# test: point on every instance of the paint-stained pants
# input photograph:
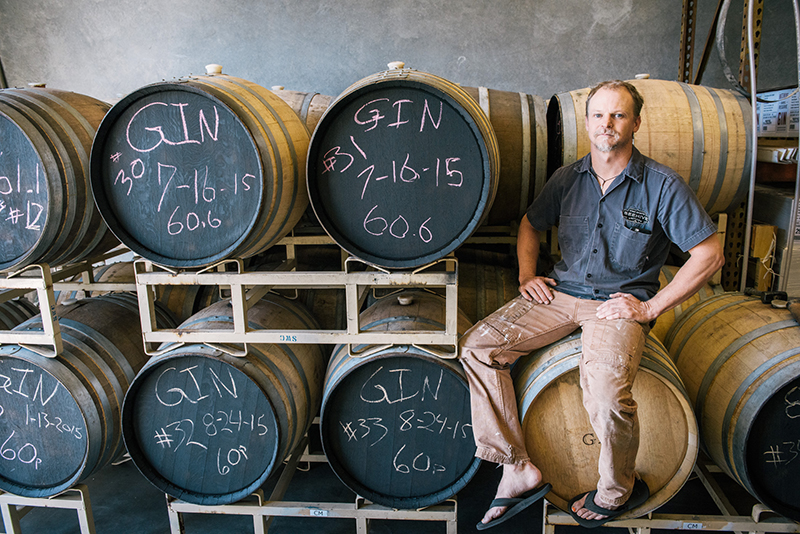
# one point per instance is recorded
(612, 350)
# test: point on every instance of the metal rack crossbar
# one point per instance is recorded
(354, 284)
(47, 341)
(761, 519)
(643, 525)
(14, 507)
(43, 279)
(264, 511)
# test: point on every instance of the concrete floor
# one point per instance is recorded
(123, 502)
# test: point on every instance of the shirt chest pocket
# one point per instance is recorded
(573, 237)
(629, 248)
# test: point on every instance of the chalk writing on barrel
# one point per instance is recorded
(792, 406)
(188, 199)
(19, 210)
(161, 138)
(200, 416)
(373, 116)
(397, 374)
(26, 453)
(384, 172)
(41, 415)
(178, 395)
(783, 454)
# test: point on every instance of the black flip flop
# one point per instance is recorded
(638, 496)
(515, 505)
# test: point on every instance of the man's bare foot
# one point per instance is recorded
(516, 480)
(588, 514)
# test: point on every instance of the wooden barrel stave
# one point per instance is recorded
(309, 106)
(519, 121)
(16, 311)
(668, 318)
(483, 289)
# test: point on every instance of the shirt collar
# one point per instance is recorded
(635, 168)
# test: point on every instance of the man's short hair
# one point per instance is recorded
(638, 100)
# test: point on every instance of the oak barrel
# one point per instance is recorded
(308, 106)
(701, 132)
(16, 311)
(61, 416)
(483, 288)
(395, 422)
(519, 121)
(117, 272)
(668, 318)
(402, 168)
(208, 427)
(560, 438)
(740, 360)
(191, 172)
(49, 214)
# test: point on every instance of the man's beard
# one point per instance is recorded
(607, 144)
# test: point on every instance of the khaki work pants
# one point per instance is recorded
(612, 350)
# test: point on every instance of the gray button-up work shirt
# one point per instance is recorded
(619, 241)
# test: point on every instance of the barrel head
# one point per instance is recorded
(43, 431)
(397, 430)
(200, 429)
(24, 194)
(772, 450)
(399, 173)
(177, 175)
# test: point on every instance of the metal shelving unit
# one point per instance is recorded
(248, 287)
(263, 511)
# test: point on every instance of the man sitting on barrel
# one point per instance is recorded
(617, 212)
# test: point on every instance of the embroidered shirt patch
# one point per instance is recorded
(635, 216)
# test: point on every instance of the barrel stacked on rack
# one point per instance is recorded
(48, 214)
(402, 168)
(61, 419)
(192, 172)
(395, 421)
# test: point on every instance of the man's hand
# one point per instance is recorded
(625, 306)
(537, 288)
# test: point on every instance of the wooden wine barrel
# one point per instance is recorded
(185, 301)
(49, 214)
(483, 289)
(191, 172)
(402, 168)
(395, 424)
(118, 272)
(16, 311)
(61, 419)
(560, 438)
(700, 132)
(740, 360)
(308, 106)
(209, 428)
(519, 121)
(668, 318)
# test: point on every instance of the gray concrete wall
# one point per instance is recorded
(108, 48)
